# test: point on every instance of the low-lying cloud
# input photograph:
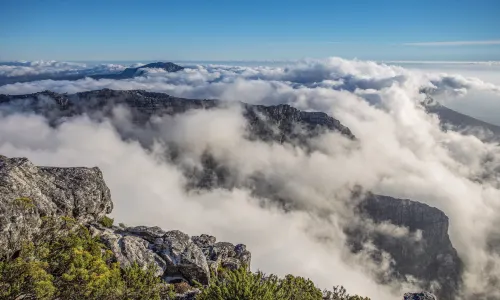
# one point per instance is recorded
(400, 151)
(33, 68)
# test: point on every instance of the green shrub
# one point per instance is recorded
(25, 276)
(106, 221)
(24, 203)
(141, 284)
(241, 285)
(244, 285)
(78, 266)
(299, 288)
(75, 266)
(340, 293)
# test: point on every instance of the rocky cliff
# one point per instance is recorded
(432, 257)
(31, 196)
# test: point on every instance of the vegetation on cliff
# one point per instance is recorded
(76, 265)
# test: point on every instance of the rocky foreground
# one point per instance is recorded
(29, 195)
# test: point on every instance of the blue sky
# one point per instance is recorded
(117, 30)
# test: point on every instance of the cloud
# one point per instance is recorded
(455, 43)
(34, 68)
(400, 151)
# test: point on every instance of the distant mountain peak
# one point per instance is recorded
(133, 72)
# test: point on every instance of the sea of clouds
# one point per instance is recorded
(399, 151)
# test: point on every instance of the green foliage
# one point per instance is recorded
(26, 276)
(75, 266)
(244, 285)
(78, 266)
(340, 293)
(167, 291)
(299, 288)
(24, 203)
(106, 221)
(141, 284)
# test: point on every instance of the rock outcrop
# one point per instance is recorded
(30, 194)
(176, 256)
(419, 296)
(431, 258)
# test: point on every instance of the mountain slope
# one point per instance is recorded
(451, 119)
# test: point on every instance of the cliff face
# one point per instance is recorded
(30, 194)
(432, 259)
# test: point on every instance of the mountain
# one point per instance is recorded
(133, 72)
(432, 259)
(127, 73)
(451, 119)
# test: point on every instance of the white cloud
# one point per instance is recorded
(33, 68)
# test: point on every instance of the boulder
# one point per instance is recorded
(183, 257)
(419, 296)
(31, 195)
(129, 249)
(222, 254)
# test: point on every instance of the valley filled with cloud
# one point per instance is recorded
(399, 150)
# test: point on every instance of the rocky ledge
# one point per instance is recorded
(175, 256)
(31, 195)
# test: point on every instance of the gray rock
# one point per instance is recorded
(243, 254)
(204, 240)
(231, 263)
(129, 249)
(222, 253)
(148, 233)
(184, 258)
(419, 296)
(29, 195)
(176, 256)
